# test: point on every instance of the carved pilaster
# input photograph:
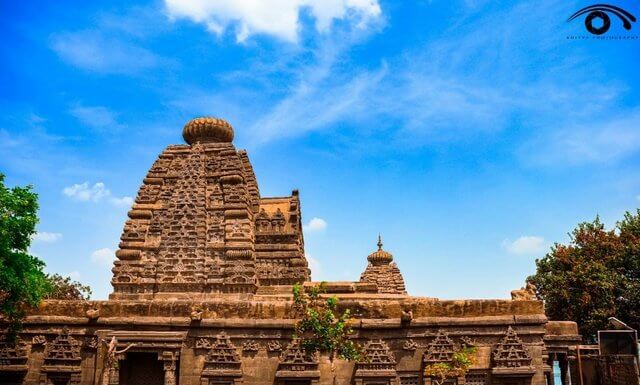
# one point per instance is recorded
(114, 370)
(169, 360)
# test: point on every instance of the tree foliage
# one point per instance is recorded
(22, 280)
(321, 327)
(23, 283)
(458, 367)
(595, 276)
(66, 288)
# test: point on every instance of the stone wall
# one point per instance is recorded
(250, 340)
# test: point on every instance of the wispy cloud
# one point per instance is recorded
(84, 192)
(99, 118)
(314, 92)
(274, 18)
(104, 256)
(98, 192)
(315, 224)
(34, 149)
(599, 140)
(451, 88)
(46, 237)
(92, 51)
(525, 245)
(121, 201)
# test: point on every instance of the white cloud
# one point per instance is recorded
(315, 224)
(46, 237)
(104, 256)
(97, 117)
(594, 141)
(525, 245)
(83, 192)
(318, 104)
(124, 201)
(96, 193)
(278, 18)
(452, 88)
(91, 51)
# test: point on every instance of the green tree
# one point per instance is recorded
(22, 280)
(66, 288)
(322, 328)
(594, 277)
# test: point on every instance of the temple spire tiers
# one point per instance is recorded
(382, 271)
(199, 225)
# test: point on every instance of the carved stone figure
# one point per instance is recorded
(407, 316)
(250, 346)
(410, 345)
(527, 293)
(274, 346)
(93, 314)
(196, 315)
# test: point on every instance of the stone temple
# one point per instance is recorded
(202, 296)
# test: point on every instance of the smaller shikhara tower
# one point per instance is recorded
(382, 271)
(199, 225)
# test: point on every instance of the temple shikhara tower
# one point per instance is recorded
(202, 295)
(199, 225)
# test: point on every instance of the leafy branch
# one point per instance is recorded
(458, 367)
(321, 328)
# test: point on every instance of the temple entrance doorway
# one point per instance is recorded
(297, 382)
(141, 369)
(11, 378)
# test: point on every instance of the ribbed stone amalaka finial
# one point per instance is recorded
(207, 129)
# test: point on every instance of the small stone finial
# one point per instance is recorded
(380, 256)
(207, 129)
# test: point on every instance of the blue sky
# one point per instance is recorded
(471, 134)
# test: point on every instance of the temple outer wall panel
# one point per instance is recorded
(260, 369)
(166, 326)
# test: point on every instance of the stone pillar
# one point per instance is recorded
(113, 371)
(551, 375)
(113, 376)
(169, 359)
(564, 369)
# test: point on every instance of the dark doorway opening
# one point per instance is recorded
(297, 382)
(141, 369)
(11, 378)
(60, 381)
(59, 378)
